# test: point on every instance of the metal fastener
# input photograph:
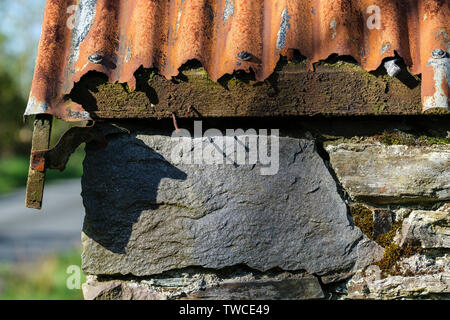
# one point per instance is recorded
(95, 58)
(244, 56)
(438, 54)
(392, 68)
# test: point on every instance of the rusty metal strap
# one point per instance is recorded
(58, 156)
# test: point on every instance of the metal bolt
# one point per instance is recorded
(438, 54)
(95, 58)
(392, 68)
(244, 56)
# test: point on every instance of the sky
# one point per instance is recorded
(20, 22)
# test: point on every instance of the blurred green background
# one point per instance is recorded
(20, 22)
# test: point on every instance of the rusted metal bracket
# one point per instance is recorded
(43, 158)
(36, 178)
(58, 156)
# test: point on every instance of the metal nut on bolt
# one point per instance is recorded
(244, 56)
(95, 58)
(392, 68)
(438, 54)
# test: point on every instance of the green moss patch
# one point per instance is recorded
(391, 256)
(425, 140)
(362, 218)
(393, 253)
(386, 239)
(396, 138)
(408, 139)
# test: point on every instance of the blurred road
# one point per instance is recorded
(26, 234)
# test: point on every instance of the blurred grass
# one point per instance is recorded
(14, 168)
(14, 171)
(42, 280)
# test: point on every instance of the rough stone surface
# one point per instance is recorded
(385, 174)
(382, 221)
(207, 285)
(290, 289)
(430, 280)
(429, 229)
(424, 264)
(145, 216)
(118, 290)
(402, 213)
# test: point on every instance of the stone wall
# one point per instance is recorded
(358, 209)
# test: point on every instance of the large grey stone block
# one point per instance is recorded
(384, 174)
(145, 215)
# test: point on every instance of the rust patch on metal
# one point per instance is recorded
(118, 37)
(38, 161)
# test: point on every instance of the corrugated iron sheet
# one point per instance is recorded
(116, 37)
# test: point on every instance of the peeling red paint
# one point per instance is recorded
(165, 34)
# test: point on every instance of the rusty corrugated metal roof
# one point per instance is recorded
(116, 37)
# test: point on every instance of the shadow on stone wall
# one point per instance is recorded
(131, 189)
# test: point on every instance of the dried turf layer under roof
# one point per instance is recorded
(119, 37)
